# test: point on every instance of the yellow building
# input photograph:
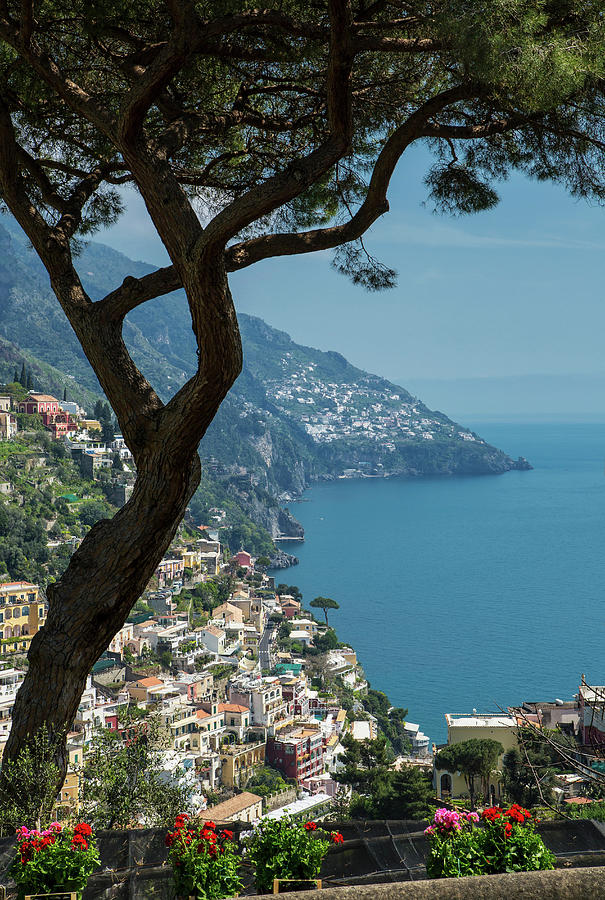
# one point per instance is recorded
(492, 726)
(91, 425)
(68, 800)
(239, 762)
(22, 614)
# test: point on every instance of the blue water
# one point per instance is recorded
(473, 592)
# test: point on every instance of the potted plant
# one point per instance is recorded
(57, 860)
(287, 855)
(204, 860)
(506, 842)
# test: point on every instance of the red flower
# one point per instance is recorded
(516, 815)
(181, 820)
(78, 842)
(228, 835)
(508, 829)
(209, 825)
(337, 837)
(491, 814)
(169, 840)
(310, 826)
(83, 829)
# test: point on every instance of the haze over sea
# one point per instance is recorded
(471, 592)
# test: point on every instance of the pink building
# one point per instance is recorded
(47, 407)
(39, 404)
(243, 559)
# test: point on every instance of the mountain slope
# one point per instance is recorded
(295, 414)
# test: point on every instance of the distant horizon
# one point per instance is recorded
(573, 397)
(516, 289)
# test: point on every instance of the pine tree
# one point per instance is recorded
(299, 164)
(23, 376)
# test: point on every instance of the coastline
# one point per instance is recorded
(443, 582)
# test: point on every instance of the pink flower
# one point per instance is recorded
(447, 820)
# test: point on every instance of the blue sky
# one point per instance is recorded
(513, 291)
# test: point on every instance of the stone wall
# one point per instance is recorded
(560, 884)
(279, 799)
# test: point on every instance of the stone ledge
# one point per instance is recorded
(558, 884)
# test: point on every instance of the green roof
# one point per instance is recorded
(138, 618)
(282, 668)
(71, 498)
(102, 665)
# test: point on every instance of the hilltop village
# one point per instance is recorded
(369, 408)
(260, 709)
(250, 690)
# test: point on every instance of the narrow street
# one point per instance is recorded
(264, 651)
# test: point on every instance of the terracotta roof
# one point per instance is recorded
(42, 397)
(232, 707)
(202, 714)
(231, 807)
(227, 606)
(217, 632)
(151, 681)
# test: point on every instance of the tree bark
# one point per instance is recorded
(110, 570)
(91, 602)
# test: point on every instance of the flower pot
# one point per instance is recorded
(57, 895)
(288, 885)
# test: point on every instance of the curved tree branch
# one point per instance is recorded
(135, 291)
(244, 254)
(284, 186)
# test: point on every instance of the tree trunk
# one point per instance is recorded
(471, 791)
(104, 579)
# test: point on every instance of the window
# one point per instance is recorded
(25, 610)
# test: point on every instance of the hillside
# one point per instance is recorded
(295, 414)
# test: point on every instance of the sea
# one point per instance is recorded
(464, 594)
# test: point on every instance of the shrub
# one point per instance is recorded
(507, 842)
(54, 859)
(283, 848)
(204, 861)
